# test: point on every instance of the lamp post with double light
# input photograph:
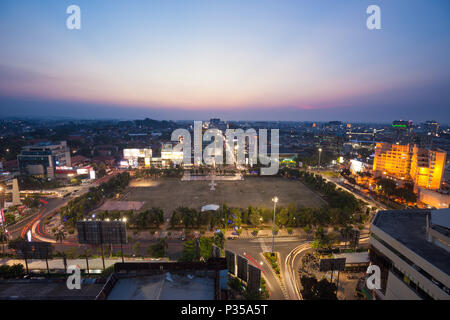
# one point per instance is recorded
(2, 216)
(124, 220)
(275, 201)
(320, 152)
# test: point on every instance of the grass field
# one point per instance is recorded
(170, 193)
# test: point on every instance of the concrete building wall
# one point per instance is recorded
(433, 198)
(408, 270)
(424, 167)
(398, 290)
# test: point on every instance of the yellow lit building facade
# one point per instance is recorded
(427, 167)
(409, 162)
(392, 160)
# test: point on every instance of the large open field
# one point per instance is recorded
(170, 193)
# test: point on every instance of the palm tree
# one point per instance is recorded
(2, 239)
(60, 236)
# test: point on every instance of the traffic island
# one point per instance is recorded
(272, 258)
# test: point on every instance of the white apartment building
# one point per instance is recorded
(412, 249)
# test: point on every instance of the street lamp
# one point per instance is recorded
(2, 198)
(124, 220)
(275, 200)
(320, 152)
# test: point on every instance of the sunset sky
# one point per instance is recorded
(237, 60)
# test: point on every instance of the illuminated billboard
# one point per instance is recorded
(356, 166)
(137, 153)
(133, 155)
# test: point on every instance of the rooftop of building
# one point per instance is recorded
(409, 228)
(355, 257)
(165, 281)
(46, 144)
(440, 221)
(44, 289)
(164, 287)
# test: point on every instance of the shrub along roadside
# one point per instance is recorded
(10, 272)
(273, 260)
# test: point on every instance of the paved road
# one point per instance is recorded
(356, 193)
(36, 225)
(95, 265)
(20, 229)
(291, 264)
(290, 249)
(252, 249)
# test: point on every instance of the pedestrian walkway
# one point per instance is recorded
(57, 263)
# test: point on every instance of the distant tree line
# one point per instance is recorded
(154, 172)
(153, 217)
(37, 183)
(290, 216)
(201, 249)
(312, 289)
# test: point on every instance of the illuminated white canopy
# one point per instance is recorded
(210, 207)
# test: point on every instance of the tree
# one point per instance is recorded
(254, 217)
(60, 236)
(10, 218)
(137, 248)
(32, 201)
(13, 271)
(159, 249)
(407, 193)
(3, 239)
(282, 217)
(322, 240)
(219, 239)
(388, 186)
(346, 232)
(189, 253)
(190, 250)
(317, 290)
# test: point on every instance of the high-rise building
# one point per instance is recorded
(169, 155)
(424, 167)
(393, 160)
(427, 167)
(402, 131)
(432, 127)
(43, 158)
(133, 156)
(412, 250)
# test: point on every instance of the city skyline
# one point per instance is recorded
(232, 60)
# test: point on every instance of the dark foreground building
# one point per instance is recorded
(167, 281)
(412, 249)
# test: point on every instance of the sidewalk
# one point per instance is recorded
(265, 233)
(57, 263)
